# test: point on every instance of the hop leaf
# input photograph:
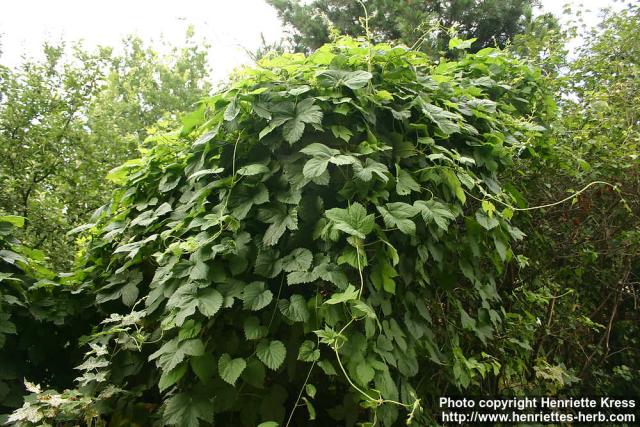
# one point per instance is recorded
(353, 220)
(271, 353)
(255, 296)
(186, 409)
(230, 369)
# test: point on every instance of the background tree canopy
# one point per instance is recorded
(336, 237)
(492, 22)
(66, 121)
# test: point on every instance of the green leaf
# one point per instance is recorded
(315, 167)
(311, 390)
(232, 110)
(441, 117)
(343, 159)
(15, 220)
(12, 257)
(168, 183)
(397, 215)
(206, 137)
(351, 293)
(255, 296)
(308, 352)
(300, 90)
(129, 294)
(454, 185)
(230, 369)
(357, 79)
(167, 379)
(456, 43)
(297, 277)
(255, 373)
(273, 124)
(187, 409)
(199, 271)
(244, 197)
(261, 109)
(341, 132)
(267, 263)
(405, 183)
(467, 321)
(319, 150)
(120, 174)
(268, 424)
(488, 207)
(310, 409)
(209, 301)
(351, 79)
(293, 130)
(294, 309)
(190, 329)
(298, 260)
(322, 156)
(204, 366)
(364, 373)
(327, 367)
(305, 112)
(7, 327)
(353, 220)
(365, 172)
(172, 352)
(488, 223)
(281, 219)
(271, 353)
(383, 274)
(253, 330)
(253, 169)
(365, 309)
(434, 211)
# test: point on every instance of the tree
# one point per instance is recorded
(65, 123)
(491, 22)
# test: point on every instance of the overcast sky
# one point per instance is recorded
(229, 26)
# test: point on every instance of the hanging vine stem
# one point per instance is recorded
(228, 195)
(559, 202)
(359, 272)
(295, 405)
(415, 406)
(306, 381)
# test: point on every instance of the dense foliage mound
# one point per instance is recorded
(326, 234)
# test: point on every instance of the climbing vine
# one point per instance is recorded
(319, 242)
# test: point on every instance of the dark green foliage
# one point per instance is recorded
(327, 222)
(33, 311)
(491, 22)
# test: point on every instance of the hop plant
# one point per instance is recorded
(318, 241)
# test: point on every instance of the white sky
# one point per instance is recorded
(229, 26)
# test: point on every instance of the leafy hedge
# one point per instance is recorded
(320, 241)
